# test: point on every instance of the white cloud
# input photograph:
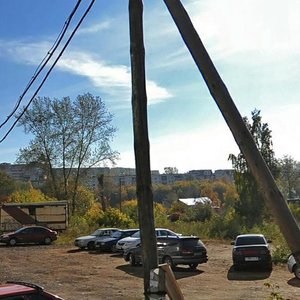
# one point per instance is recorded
(199, 149)
(95, 28)
(114, 80)
(270, 28)
(109, 77)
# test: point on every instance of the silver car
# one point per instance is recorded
(293, 267)
(88, 241)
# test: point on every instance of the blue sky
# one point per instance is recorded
(254, 45)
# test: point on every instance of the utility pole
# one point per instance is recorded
(141, 142)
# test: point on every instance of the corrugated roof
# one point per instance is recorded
(194, 201)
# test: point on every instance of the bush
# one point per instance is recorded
(113, 217)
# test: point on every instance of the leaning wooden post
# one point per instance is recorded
(141, 142)
(241, 134)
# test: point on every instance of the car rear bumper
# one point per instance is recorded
(185, 260)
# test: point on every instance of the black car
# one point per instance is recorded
(109, 243)
(182, 250)
(251, 250)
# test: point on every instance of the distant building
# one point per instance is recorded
(120, 176)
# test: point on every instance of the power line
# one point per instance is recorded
(49, 71)
(45, 60)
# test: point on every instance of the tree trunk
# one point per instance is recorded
(241, 134)
(141, 142)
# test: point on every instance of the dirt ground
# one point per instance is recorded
(76, 274)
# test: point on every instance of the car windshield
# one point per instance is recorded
(250, 240)
(116, 234)
(136, 235)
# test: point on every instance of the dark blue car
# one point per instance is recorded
(109, 244)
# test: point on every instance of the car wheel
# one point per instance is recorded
(168, 260)
(47, 240)
(91, 245)
(12, 242)
(132, 260)
(193, 266)
(296, 271)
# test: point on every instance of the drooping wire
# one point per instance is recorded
(49, 71)
(45, 60)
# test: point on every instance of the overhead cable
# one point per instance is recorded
(45, 60)
(49, 71)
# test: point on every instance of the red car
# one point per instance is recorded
(24, 290)
(29, 234)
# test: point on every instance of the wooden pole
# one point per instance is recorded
(141, 142)
(241, 134)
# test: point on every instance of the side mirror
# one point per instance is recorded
(232, 243)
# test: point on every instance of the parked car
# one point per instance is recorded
(251, 250)
(16, 290)
(135, 239)
(29, 234)
(109, 243)
(88, 241)
(182, 250)
(293, 266)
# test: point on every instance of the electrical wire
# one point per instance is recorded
(45, 60)
(49, 71)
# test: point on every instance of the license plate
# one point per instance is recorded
(251, 258)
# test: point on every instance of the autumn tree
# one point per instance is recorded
(68, 136)
(251, 205)
(7, 186)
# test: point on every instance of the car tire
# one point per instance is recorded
(193, 266)
(91, 246)
(47, 240)
(168, 260)
(132, 260)
(12, 242)
(296, 271)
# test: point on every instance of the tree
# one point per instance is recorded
(171, 170)
(69, 135)
(289, 176)
(7, 186)
(251, 205)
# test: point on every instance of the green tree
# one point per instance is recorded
(289, 176)
(250, 205)
(69, 135)
(171, 170)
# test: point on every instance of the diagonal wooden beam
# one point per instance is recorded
(241, 134)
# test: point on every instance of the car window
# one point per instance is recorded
(136, 235)
(116, 234)
(250, 240)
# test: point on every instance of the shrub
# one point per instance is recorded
(115, 218)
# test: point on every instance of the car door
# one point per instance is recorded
(25, 236)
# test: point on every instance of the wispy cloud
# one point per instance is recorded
(269, 28)
(114, 80)
(95, 28)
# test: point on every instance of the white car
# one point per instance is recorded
(88, 241)
(293, 267)
(135, 239)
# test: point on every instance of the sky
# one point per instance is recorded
(254, 45)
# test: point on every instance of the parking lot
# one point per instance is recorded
(76, 274)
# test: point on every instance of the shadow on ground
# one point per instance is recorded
(179, 273)
(294, 282)
(247, 274)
